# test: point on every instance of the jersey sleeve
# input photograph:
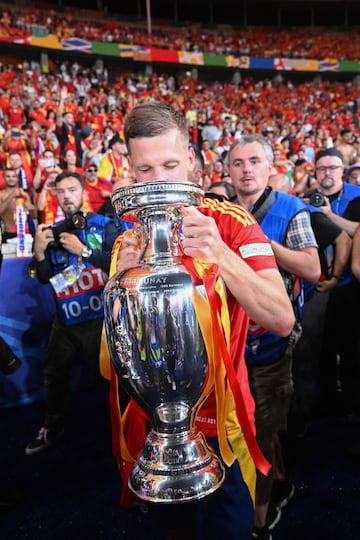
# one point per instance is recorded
(241, 232)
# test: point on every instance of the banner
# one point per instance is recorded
(39, 38)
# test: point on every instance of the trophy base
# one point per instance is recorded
(176, 468)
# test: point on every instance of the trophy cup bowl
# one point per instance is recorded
(157, 348)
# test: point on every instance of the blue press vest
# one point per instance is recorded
(265, 347)
(339, 206)
(82, 301)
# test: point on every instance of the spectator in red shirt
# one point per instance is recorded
(97, 118)
(47, 202)
(98, 189)
(17, 140)
(15, 113)
(50, 120)
(37, 112)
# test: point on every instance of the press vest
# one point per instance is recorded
(82, 301)
(263, 347)
(339, 206)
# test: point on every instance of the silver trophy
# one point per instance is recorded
(157, 347)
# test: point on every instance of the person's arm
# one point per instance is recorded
(299, 255)
(95, 151)
(127, 250)
(300, 183)
(105, 193)
(43, 237)
(37, 176)
(7, 135)
(262, 294)
(41, 199)
(32, 140)
(355, 256)
(60, 111)
(347, 225)
(303, 263)
(343, 245)
(29, 206)
(342, 252)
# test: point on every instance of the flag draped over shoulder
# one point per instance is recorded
(235, 434)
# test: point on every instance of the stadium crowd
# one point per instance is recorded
(71, 120)
(259, 41)
(298, 120)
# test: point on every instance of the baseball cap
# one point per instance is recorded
(333, 152)
(355, 166)
(85, 132)
(88, 164)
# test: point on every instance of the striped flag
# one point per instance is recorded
(77, 44)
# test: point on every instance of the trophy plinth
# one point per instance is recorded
(157, 347)
(175, 469)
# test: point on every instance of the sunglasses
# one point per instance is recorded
(92, 169)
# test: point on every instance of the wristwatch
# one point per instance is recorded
(86, 253)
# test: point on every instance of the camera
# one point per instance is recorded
(315, 196)
(73, 223)
(47, 163)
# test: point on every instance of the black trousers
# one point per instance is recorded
(339, 360)
(307, 353)
(68, 345)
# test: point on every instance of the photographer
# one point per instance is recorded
(74, 256)
(339, 360)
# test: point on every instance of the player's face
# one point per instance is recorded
(164, 157)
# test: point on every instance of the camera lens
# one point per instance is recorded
(317, 199)
(79, 221)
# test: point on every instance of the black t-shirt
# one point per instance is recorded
(326, 232)
(352, 211)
